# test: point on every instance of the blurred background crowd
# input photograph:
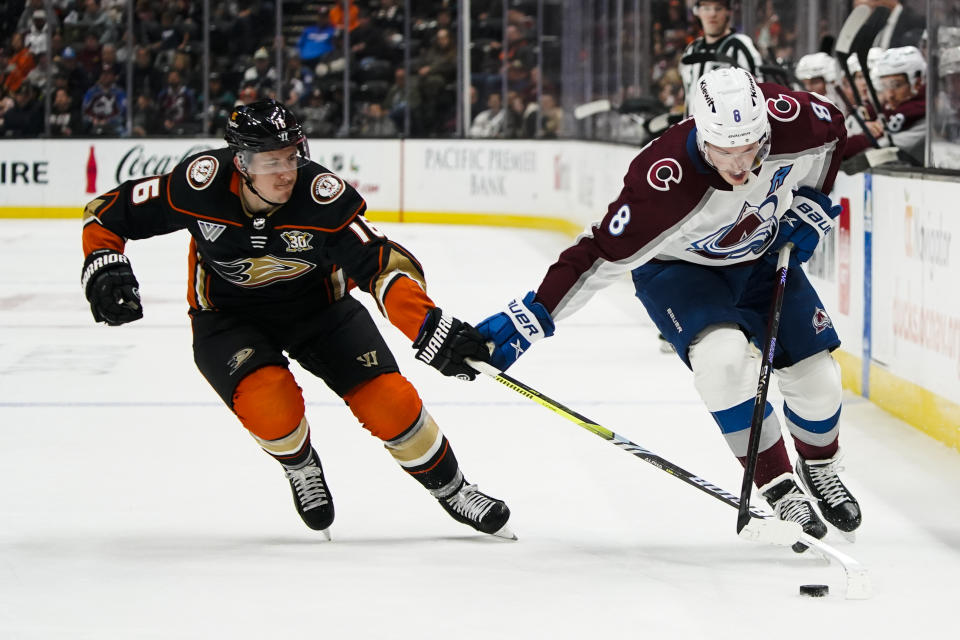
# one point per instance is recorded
(441, 68)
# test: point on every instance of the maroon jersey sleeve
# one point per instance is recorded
(804, 122)
(661, 190)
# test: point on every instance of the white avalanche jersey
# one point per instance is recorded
(673, 206)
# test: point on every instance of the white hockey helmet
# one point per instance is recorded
(949, 61)
(873, 55)
(906, 60)
(817, 65)
(729, 110)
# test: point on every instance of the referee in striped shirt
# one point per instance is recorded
(719, 39)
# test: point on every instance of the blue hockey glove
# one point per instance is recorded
(809, 218)
(514, 329)
(443, 342)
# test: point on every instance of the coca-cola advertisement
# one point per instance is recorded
(56, 178)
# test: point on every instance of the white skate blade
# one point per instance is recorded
(505, 532)
(849, 536)
(771, 531)
(326, 533)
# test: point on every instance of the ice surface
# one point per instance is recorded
(133, 505)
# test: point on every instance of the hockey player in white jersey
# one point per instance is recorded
(703, 212)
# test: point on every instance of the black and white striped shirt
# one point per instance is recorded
(733, 45)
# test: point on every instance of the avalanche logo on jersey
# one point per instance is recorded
(259, 272)
(821, 320)
(297, 240)
(663, 172)
(783, 108)
(752, 231)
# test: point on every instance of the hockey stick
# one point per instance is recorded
(861, 47)
(763, 527)
(763, 384)
(588, 109)
(849, 30)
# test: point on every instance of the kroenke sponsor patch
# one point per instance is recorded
(326, 188)
(201, 171)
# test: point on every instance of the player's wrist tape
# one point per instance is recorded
(100, 260)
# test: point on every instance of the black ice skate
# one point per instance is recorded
(793, 505)
(311, 494)
(478, 510)
(838, 506)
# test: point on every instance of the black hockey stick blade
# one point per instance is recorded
(861, 46)
(763, 384)
(867, 34)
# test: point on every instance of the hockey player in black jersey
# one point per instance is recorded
(277, 243)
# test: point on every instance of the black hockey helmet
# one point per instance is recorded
(264, 125)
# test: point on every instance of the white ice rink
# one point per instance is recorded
(134, 505)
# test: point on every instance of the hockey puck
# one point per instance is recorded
(814, 590)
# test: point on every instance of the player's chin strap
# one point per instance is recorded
(762, 526)
(247, 181)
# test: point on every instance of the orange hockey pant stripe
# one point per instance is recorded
(269, 403)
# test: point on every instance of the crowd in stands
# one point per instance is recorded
(78, 56)
(68, 71)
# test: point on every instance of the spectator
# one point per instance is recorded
(19, 64)
(298, 79)
(261, 75)
(336, 15)
(26, 16)
(515, 114)
(320, 118)
(436, 73)
(222, 101)
(178, 106)
(64, 115)
(25, 118)
(489, 122)
(398, 98)
(375, 123)
(316, 42)
(40, 75)
(146, 117)
(367, 40)
(89, 18)
(108, 57)
(551, 125)
(78, 81)
(36, 36)
(104, 106)
(89, 56)
(147, 79)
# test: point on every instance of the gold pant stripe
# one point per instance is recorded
(420, 445)
(289, 444)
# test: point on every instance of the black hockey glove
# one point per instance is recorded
(111, 288)
(444, 342)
